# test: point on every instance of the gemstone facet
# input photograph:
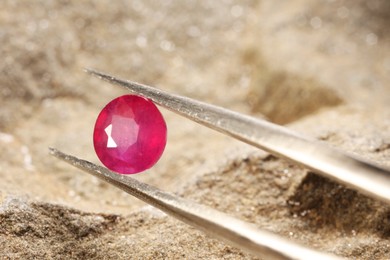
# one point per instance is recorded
(130, 134)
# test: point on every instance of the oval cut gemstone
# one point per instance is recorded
(130, 134)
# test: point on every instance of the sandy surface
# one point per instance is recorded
(321, 67)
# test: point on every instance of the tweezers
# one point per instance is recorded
(368, 178)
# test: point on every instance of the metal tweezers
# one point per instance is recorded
(367, 178)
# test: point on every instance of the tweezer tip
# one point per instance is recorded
(101, 75)
(52, 150)
(56, 153)
(89, 70)
(94, 72)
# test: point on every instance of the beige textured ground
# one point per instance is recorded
(322, 67)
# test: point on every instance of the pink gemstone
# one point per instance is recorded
(130, 134)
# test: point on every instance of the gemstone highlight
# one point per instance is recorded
(130, 134)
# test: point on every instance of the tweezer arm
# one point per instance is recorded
(234, 231)
(357, 174)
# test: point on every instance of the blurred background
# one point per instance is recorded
(284, 61)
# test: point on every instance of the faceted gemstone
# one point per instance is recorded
(130, 134)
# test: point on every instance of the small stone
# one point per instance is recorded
(130, 134)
